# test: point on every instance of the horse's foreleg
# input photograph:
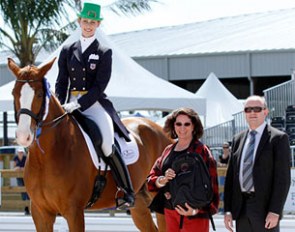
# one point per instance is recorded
(75, 219)
(43, 220)
(161, 222)
(141, 214)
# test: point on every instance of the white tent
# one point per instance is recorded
(220, 103)
(131, 87)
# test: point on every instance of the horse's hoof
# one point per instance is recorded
(27, 211)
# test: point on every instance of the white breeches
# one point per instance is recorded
(104, 122)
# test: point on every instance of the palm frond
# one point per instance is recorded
(133, 7)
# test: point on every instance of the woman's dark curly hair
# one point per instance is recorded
(169, 123)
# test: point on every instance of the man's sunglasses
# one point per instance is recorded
(256, 109)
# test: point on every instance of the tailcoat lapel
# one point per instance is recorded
(77, 51)
(92, 47)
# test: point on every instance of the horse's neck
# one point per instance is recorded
(55, 123)
(54, 109)
(56, 117)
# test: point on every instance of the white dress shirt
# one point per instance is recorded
(258, 135)
(85, 42)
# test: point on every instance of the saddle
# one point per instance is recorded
(114, 161)
(93, 131)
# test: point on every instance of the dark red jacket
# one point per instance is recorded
(204, 151)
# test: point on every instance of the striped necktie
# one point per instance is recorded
(248, 163)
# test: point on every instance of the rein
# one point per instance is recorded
(54, 122)
(41, 124)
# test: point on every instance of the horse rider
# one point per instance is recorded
(84, 72)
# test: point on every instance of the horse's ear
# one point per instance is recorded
(13, 66)
(44, 69)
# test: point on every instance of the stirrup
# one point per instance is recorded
(122, 203)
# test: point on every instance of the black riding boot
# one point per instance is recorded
(122, 179)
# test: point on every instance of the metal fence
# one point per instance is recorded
(292, 156)
(279, 97)
(217, 135)
(7, 126)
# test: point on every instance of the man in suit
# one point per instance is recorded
(258, 175)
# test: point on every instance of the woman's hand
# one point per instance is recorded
(169, 174)
(70, 107)
(189, 212)
(163, 180)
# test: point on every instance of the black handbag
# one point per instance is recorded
(157, 204)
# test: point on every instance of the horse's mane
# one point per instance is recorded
(53, 95)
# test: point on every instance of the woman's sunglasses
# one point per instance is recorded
(186, 124)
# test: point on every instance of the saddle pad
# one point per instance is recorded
(129, 150)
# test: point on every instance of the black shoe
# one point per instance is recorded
(27, 211)
(125, 202)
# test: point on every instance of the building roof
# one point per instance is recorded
(266, 31)
(143, 90)
(273, 30)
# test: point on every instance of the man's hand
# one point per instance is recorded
(70, 107)
(228, 221)
(271, 220)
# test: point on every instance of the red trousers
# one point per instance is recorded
(172, 219)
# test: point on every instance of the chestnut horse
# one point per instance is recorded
(59, 173)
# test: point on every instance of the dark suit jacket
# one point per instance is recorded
(90, 71)
(271, 173)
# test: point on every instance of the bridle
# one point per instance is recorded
(38, 117)
(42, 112)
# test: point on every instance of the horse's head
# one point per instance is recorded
(29, 96)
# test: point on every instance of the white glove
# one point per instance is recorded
(70, 107)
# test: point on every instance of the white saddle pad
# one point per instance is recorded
(129, 150)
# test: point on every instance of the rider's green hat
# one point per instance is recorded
(90, 11)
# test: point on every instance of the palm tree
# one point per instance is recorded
(35, 25)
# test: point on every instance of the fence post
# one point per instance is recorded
(5, 129)
(221, 179)
(0, 189)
